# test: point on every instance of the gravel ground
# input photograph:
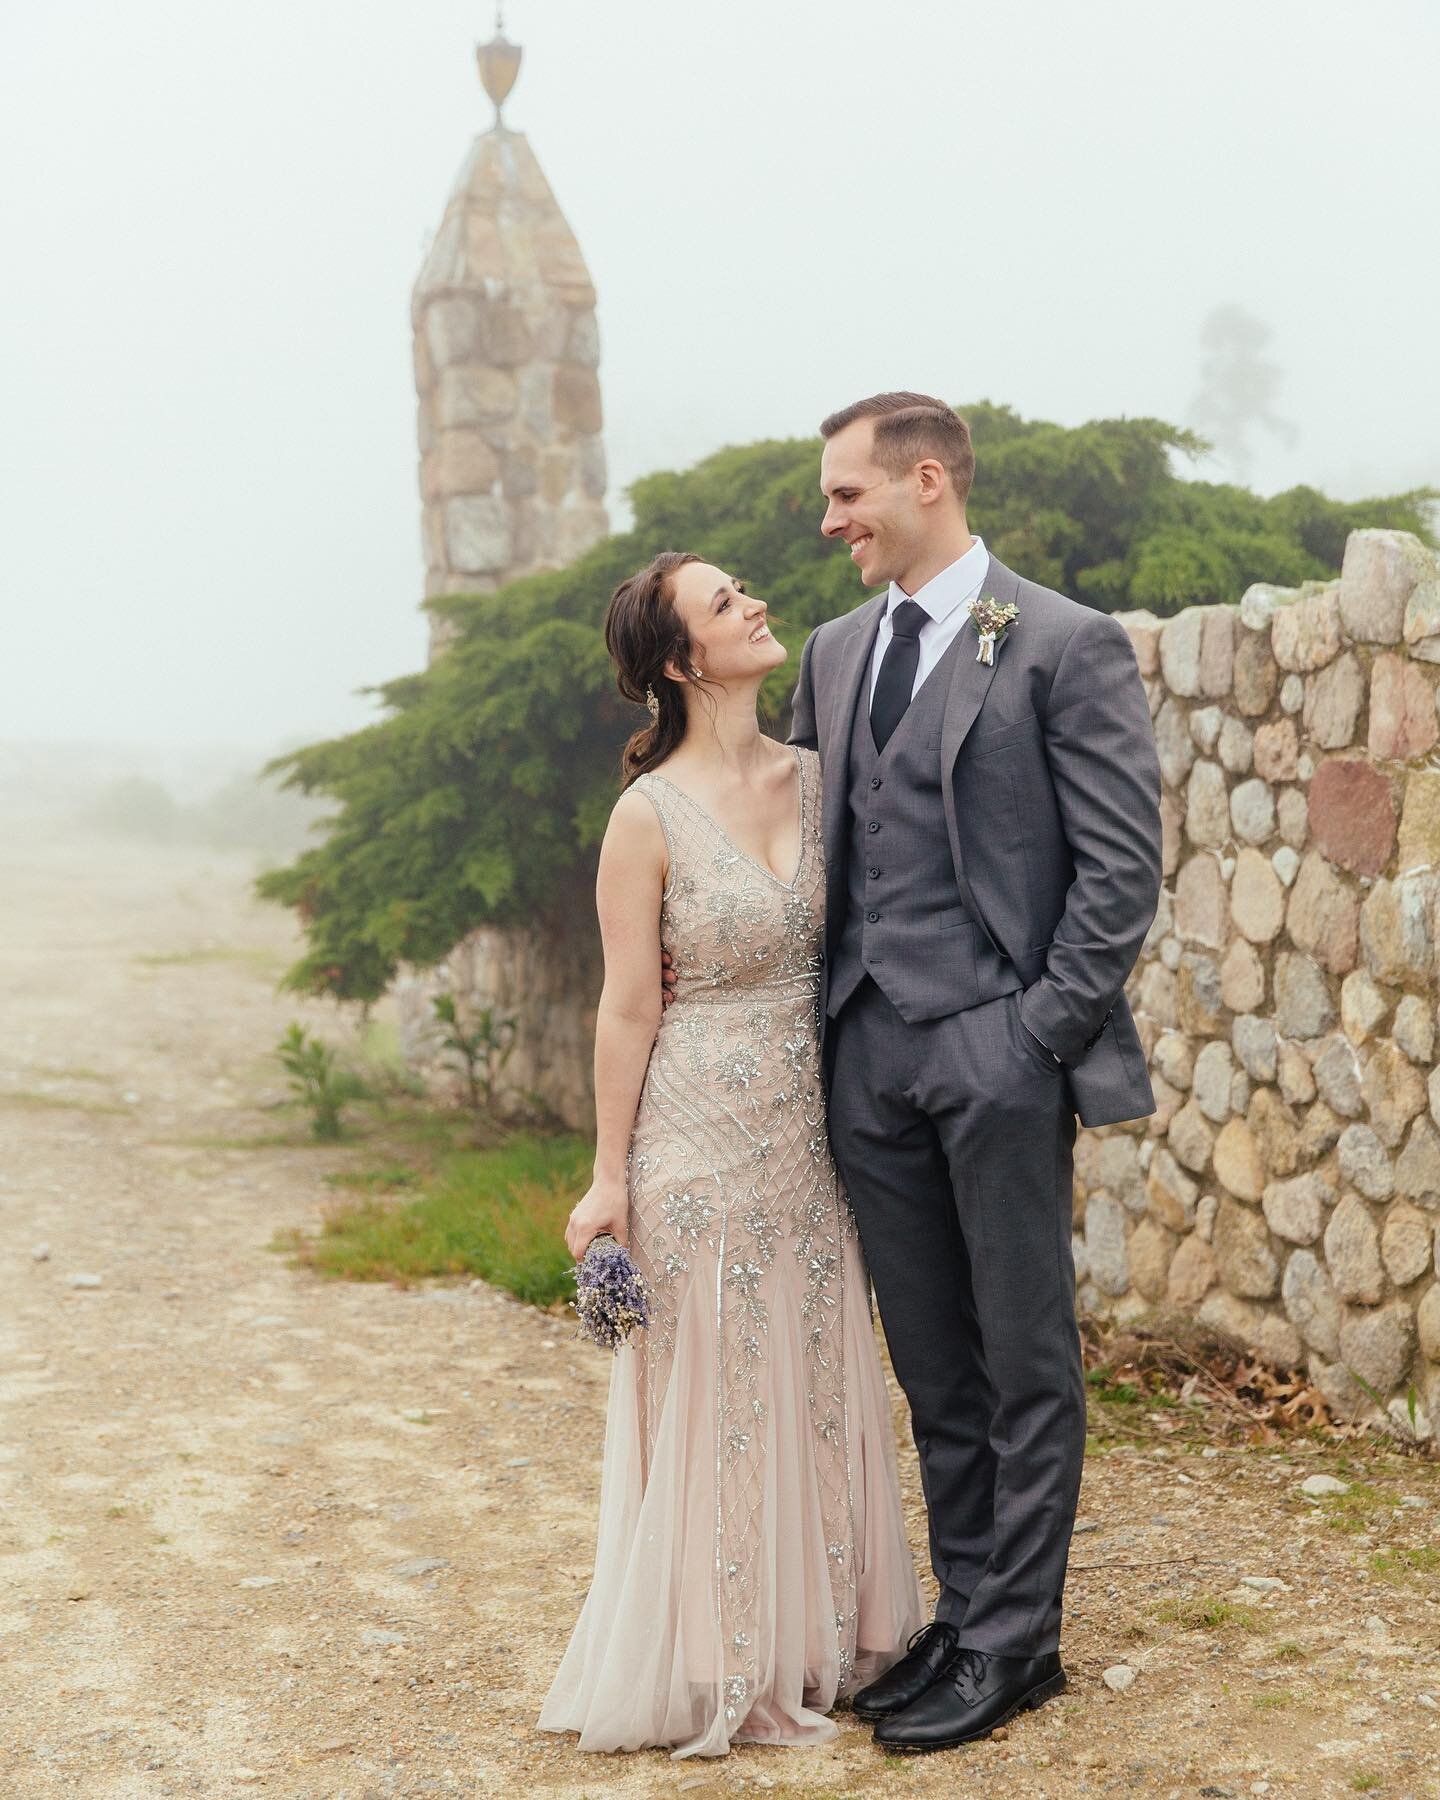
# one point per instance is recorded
(263, 1533)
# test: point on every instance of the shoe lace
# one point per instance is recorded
(938, 1626)
(966, 1671)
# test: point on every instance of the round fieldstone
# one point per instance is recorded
(1362, 1006)
(1205, 1208)
(1255, 1043)
(1274, 1129)
(1365, 1163)
(1257, 901)
(1396, 929)
(1393, 1091)
(1105, 1244)
(1275, 750)
(1173, 743)
(1352, 1252)
(1332, 703)
(1272, 1338)
(1320, 1132)
(1180, 638)
(1207, 805)
(1205, 723)
(1402, 709)
(1118, 1170)
(1242, 978)
(1202, 902)
(1310, 1304)
(1294, 1074)
(1427, 1320)
(1323, 915)
(1236, 744)
(1252, 811)
(1295, 1209)
(1243, 1256)
(1352, 814)
(1405, 1243)
(1303, 1007)
(1150, 1251)
(1378, 1345)
(1237, 1160)
(1415, 1028)
(1191, 1138)
(1292, 694)
(1337, 1076)
(1419, 845)
(1292, 812)
(1173, 1058)
(1255, 673)
(1286, 864)
(1417, 1168)
(1198, 1006)
(1192, 1272)
(1380, 571)
(1305, 635)
(1170, 1192)
(1210, 1083)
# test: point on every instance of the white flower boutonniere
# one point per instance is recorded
(992, 621)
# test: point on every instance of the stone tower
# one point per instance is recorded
(512, 479)
(512, 464)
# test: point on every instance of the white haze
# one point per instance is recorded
(211, 217)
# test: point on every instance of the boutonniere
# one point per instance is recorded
(992, 621)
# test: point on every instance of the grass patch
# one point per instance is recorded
(387, 1180)
(206, 953)
(1354, 1511)
(1362, 1784)
(1290, 1651)
(56, 1102)
(499, 1214)
(1395, 1565)
(1275, 1702)
(1206, 1612)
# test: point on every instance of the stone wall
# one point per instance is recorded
(1287, 1190)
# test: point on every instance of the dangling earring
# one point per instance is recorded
(652, 703)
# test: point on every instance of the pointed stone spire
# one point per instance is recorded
(512, 462)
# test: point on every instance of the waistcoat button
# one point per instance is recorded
(872, 873)
(873, 917)
(874, 781)
(872, 826)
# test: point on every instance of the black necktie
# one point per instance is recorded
(897, 671)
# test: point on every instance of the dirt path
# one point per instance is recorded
(263, 1533)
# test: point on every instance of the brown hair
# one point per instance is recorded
(644, 631)
(910, 428)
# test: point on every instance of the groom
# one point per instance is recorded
(992, 844)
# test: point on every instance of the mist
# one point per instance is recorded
(211, 222)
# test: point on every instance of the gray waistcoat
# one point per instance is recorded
(905, 923)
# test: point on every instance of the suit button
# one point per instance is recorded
(872, 826)
(874, 781)
(872, 873)
(873, 917)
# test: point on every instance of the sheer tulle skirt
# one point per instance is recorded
(646, 1663)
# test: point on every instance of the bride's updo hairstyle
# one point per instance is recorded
(643, 631)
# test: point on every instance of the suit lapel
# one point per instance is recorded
(834, 804)
(969, 683)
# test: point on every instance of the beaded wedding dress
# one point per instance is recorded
(751, 1564)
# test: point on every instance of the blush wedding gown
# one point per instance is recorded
(751, 1564)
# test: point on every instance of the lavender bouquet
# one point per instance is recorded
(612, 1297)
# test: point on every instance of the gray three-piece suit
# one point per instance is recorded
(990, 878)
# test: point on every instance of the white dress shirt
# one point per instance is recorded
(947, 597)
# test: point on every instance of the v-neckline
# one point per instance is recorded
(739, 850)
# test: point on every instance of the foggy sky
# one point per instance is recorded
(211, 217)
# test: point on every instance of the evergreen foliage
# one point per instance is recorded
(482, 797)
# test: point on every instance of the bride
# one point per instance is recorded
(751, 1565)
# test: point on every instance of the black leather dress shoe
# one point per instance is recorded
(974, 1693)
(926, 1654)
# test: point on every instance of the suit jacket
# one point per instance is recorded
(1052, 808)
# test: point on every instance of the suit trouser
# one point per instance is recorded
(955, 1140)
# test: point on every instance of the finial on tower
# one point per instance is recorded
(499, 62)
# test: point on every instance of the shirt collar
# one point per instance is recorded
(952, 587)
